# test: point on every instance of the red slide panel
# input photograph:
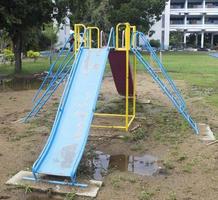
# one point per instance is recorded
(117, 60)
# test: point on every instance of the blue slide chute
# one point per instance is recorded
(65, 146)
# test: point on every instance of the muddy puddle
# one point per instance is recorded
(101, 164)
(17, 84)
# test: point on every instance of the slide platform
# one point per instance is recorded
(64, 149)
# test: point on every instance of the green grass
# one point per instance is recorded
(198, 69)
(29, 66)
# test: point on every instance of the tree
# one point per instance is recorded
(4, 40)
(50, 32)
(142, 13)
(17, 17)
(176, 39)
(107, 13)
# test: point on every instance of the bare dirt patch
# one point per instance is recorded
(188, 167)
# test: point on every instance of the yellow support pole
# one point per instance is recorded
(77, 31)
(125, 48)
(90, 28)
(127, 116)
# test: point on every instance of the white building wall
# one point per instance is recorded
(163, 27)
(63, 34)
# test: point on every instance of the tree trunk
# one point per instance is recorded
(17, 47)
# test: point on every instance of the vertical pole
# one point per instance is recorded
(202, 39)
(161, 58)
(101, 38)
(127, 46)
(134, 86)
(127, 89)
(184, 39)
(90, 38)
(75, 37)
(98, 38)
(196, 40)
(212, 40)
(123, 36)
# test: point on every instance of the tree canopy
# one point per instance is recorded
(107, 13)
(19, 17)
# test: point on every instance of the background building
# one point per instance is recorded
(198, 17)
(63, 33)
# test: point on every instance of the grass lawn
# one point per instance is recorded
(29, 66)
(198, 69)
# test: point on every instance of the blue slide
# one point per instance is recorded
(64, 148)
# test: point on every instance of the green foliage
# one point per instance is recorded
(107, 13)
(33, 54)
(18, 17)
(5, 41)
(172, 196)
(50, 32)
(146, 195)
(139, 134)
(191, 40)
(35, 39)
(155, 43)
(70, 196)
(8, 55)
(140, 13)
(176, 39)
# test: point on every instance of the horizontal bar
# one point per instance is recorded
(131, 120)
(121, 49)
(109, 126)
(111, 115)
(56, 182)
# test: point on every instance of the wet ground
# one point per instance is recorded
(16, 84)
(161, 159)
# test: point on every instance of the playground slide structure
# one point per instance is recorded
(65, 146)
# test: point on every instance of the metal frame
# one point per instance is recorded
(78, 30)
(126, 36)
(89, 32)
(169, 88)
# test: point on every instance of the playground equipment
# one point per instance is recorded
(66, 143)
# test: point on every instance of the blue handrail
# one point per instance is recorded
(52, 67)
(46, 95)
(111, 35)
(177, 102)
(157, 60)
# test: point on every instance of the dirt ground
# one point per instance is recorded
(188, 167)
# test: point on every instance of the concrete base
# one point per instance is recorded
(90, 191)
(205, 133)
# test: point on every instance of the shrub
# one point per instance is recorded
(8, 55)
(33, 54)
(155, 43)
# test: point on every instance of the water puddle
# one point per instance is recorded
(17, 84)
(146, 165)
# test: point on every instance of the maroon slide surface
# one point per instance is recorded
(117, 61)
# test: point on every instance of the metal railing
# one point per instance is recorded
(52, 66)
